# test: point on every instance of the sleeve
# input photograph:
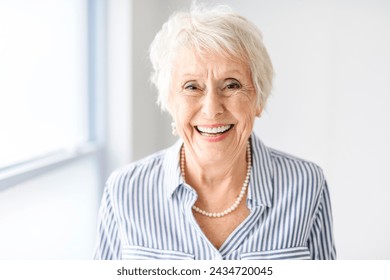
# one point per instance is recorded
(108, 245)
(321, 241)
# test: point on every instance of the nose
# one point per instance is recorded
(212, 105)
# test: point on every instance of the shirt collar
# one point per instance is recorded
(172, 174)
(260, 189)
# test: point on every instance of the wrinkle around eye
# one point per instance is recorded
(189, 92)
(242, 90)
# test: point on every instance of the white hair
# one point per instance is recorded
(210, 29)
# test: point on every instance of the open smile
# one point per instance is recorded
(213, 131)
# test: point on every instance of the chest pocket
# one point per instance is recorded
(296, 253)
(144, 253)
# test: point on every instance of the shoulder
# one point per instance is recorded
(135, 173)
(289, 160)
(278, 162)
(301, 171)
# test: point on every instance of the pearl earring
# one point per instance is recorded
(174, 131)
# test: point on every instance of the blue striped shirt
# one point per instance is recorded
(146, 212)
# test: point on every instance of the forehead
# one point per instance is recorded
(193, 63)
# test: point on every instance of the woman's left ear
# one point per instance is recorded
(258, 111)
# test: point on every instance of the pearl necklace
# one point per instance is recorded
(240, 196)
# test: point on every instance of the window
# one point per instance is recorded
(45, 78)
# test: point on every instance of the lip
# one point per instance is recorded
(214, 125)
(214, 138)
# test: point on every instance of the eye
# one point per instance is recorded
(232, 84)
(191, 86)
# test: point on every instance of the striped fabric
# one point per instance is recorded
(146, 212)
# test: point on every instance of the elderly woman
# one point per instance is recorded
(219, 192)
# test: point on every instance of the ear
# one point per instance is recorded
(259, 109)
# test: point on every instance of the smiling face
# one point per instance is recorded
(213, 103)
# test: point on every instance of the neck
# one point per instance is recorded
(214, 174)
(211, 191)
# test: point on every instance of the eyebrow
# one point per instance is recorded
(228, 73)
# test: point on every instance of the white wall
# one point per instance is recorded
(329, 104)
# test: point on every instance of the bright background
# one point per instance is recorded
(329, 105)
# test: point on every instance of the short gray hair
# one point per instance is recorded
(210, 29)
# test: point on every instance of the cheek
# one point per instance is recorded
(245, 113)
(174, 105)
(182, 112)
(245, 107)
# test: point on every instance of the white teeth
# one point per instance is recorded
(219, 129)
